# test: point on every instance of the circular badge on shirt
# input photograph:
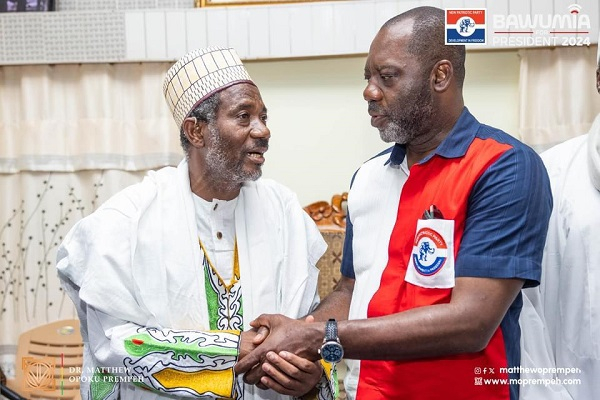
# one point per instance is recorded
(430, 252)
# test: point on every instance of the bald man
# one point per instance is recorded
(444, 229)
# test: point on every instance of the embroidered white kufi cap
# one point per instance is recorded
(198, 75)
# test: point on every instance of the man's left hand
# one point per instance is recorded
(285, 334)
(289, 374)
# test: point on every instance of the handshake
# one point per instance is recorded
(284, 354)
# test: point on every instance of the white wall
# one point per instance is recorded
(321, 132)
(320, 128)
(492, 88)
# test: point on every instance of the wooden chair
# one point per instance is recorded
(49, 362)
(329, 216)
(331, 221)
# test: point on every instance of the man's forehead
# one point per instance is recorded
(389, 48)
(400, 29)
(396, 35)
(241, 95)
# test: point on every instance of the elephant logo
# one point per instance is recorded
(430, 252)
(465, 24)
(425, 249)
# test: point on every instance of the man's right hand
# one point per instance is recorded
(285, 334)
(250, 339)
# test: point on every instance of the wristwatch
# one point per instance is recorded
(331, 351)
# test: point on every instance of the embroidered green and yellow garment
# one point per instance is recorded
(199, 363)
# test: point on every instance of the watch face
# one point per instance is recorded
(332, 352)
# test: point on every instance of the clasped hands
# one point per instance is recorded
(277, 354)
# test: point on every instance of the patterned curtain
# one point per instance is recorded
(36, 212)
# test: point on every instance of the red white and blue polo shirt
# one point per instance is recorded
(494, 196)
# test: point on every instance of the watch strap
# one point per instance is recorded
(331, 331)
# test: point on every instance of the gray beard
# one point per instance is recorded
(410, 127)
(223, 171)
(393, 133)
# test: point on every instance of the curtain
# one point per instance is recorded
(85, 116)
(71, 136)
(37, 209)
(558, 97)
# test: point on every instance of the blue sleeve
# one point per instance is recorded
(508, 213)
(347, 268)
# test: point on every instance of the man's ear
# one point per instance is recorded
(194, 131)
(443, 72)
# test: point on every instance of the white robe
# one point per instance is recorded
(137, 260)
(560, 321)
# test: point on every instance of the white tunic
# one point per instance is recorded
(215, 221)
(561, 319)
(136, 263)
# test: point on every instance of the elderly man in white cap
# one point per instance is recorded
(168, 272)
(561, 317)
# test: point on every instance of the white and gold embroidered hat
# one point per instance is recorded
(198, 75)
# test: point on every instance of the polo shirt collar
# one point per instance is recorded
(454, 145)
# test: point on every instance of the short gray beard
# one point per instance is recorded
(221, 171)
(393, 133)
(409, 128)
